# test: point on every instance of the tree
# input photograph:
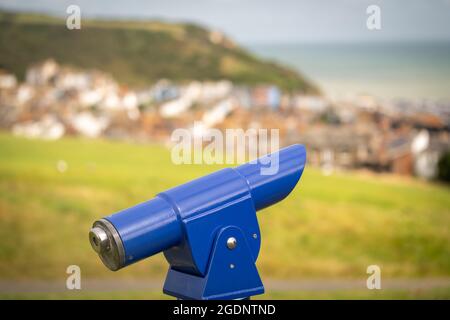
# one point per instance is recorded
(444, 167)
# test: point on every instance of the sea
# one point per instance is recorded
(416, 71)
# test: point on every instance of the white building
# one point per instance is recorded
(205, 92)
(47, 128)
(427, 152)
(7, 80)
(88, 125)
(218, 113)
(310, 103)
(41, 73)
(24, 93)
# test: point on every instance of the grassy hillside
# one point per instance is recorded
(136, 52)
(328, 227)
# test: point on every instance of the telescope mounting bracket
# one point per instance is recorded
(231, 273)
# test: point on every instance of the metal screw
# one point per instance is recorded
(231, 243)
(255, 236)
(231, 266)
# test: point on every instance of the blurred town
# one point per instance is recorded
(358, 132)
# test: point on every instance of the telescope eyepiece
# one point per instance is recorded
(99, 240)
(105, 240)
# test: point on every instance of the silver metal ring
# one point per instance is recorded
(111, 250)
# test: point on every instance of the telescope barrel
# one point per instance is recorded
(137, 233)
(268, 189)
(156, 225)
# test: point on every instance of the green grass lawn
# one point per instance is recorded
(441, 293)
(331, 226)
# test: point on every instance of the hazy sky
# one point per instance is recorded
(268, 21)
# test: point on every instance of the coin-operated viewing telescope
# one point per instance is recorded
(207, 228)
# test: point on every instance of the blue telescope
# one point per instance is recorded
(207, 228)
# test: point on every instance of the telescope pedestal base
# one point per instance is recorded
(231, 274)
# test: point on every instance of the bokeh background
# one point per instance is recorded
(86, 117)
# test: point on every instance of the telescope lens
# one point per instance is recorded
(107, 243)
